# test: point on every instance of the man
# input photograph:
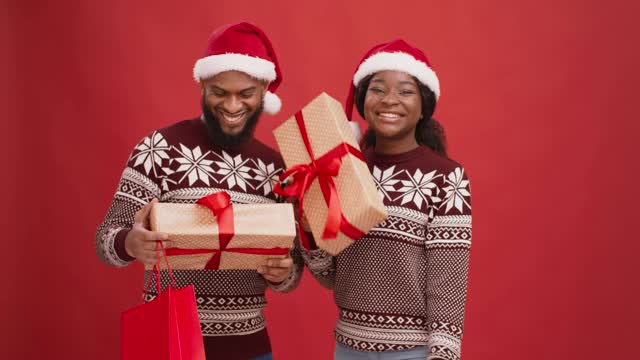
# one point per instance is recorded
(190, 159)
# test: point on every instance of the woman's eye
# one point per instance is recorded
(377, 90)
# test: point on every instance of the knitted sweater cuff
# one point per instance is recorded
(119, 247)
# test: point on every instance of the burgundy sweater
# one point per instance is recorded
(179, 164)
(404, 283)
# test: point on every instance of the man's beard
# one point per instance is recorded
(218, 137)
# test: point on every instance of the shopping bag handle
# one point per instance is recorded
(156, 271)
(166, 260)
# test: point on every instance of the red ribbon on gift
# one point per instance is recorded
(324, 168)
(220, 205)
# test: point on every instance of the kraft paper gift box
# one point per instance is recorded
(249, 234)
(330, 140)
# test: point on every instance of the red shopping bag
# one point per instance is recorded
(166, 328)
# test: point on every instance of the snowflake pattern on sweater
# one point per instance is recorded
(178, 164)
(404, 283)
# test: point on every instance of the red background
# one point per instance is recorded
(539, 101)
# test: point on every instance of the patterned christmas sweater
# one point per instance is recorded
(404, 283)
(179, 164)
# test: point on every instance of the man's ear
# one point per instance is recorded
(265, 87)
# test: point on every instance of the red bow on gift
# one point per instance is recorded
(220, 205)
(324, 168)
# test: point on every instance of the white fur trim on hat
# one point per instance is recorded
(254, 66)
(271, 103)
(355, 129)
(398, 61)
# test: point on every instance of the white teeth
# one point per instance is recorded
(233, 119)
(390, 115)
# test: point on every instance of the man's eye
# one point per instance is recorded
(217, 92)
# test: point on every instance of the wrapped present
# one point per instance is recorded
(330, 177)
(214, 234)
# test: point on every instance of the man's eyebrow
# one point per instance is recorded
(407, 82)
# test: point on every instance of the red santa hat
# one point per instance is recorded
(242, 47)
(396, 55)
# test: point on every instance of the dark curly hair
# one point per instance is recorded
(429, 132)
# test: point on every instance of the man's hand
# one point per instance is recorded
(295, 203)
(277, 269)
(305, 223)
(140, 242)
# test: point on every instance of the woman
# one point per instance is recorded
(401, 288)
